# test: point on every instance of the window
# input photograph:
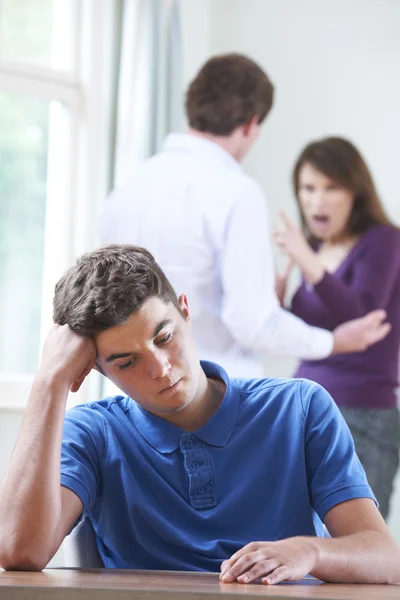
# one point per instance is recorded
(24, 123)
(57, 62)
(25, 30)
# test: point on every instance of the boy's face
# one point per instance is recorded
(153, 357)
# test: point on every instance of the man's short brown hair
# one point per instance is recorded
(228, 91)
(106, 286)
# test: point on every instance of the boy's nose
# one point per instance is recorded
(159, 366)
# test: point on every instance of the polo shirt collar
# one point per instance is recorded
(165, 437)
(201, 147)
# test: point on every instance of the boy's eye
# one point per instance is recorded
(126, 365)
(164, 339)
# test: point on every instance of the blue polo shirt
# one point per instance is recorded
(273, 459)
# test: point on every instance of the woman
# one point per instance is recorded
(349, 257)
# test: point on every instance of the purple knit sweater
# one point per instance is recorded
(368, 278)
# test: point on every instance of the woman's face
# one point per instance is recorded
(325, 204)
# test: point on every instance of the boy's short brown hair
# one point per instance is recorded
(106, 286)
(227, 92)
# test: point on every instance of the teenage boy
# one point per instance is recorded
(191, 470)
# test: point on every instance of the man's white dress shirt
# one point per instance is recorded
(206, 224)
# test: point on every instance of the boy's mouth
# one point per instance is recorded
(170, 387)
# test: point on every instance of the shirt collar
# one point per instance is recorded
(201, 147)
(165, 437)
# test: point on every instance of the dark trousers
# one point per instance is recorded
(376, 434)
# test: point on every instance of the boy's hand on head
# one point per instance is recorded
(68, 356)
(272, 562)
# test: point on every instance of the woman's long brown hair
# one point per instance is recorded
(339, 160)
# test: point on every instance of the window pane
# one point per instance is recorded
(39, 31)
(23, 163)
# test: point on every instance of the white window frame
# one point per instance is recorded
(89, 94)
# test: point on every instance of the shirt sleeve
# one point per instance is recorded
(251, 310)
(81, 453)
(375, 273)
(334, 472)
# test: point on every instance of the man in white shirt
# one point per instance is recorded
(206, 223)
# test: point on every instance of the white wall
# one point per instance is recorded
(196, 19)
(335, 65)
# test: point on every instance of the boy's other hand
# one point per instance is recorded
(272, 562)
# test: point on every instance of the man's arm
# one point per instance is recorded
(251, 310)
(36, 512)
(360, 551)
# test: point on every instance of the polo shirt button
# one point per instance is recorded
(195, 465)
(200, 490)
(189, 443)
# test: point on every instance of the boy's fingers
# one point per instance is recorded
(79, 380)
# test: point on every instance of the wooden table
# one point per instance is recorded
(102, 584)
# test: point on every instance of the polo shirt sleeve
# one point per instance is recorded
(82, 450)
(334, 472)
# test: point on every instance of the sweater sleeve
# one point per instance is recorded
(375, 272)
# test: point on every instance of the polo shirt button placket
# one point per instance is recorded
(196, 464)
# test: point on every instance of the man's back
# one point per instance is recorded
(180, 204)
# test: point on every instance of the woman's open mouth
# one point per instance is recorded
(320, 222)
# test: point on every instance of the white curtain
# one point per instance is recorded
(150, 95)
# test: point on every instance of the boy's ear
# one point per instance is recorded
(184, 306)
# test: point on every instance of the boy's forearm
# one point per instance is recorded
(364, 557)
(30, 498)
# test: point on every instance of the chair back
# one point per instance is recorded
(80, 548)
